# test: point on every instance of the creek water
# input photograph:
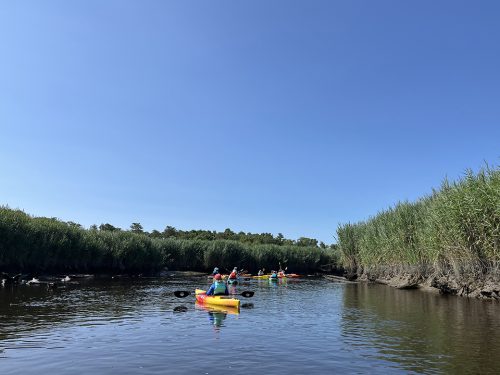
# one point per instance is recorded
(304, 326)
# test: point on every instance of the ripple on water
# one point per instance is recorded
(304, 326)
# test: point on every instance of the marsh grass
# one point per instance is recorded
(456, 229)
(47, 245)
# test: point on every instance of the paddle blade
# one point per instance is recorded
(181, 293)
(247, 294)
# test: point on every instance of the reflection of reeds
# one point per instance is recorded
(456, 228)
(422, 332)
(47, 244)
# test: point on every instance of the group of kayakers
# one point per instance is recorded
(276, 275)
(219, 286)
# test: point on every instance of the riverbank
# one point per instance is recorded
(482, 286)
(448, 241)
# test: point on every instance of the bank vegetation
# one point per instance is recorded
(449, 240)
(40, 244)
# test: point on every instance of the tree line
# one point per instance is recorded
(227, 234)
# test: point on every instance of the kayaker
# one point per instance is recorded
(260, 273)
(218, 287)
(274, 275)
(215, 271)
(282, 272)
(234, 274)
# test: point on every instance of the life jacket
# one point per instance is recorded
(232, 275)
(220, 288)
(274, 276)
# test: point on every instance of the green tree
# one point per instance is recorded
(74, 225)
(155, 234)
(307, 242)
(108, 227)
(136, 228)
(170, 232)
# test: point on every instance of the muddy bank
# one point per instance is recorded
(482, 285)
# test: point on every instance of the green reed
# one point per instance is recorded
(32, 244)
(458, 227)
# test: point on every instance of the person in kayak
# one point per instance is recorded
(215, 271)
(234, 274)
(218, 287)
(274, 275)
(260, 273)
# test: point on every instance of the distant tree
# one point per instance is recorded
(322, 245)
(228, 234)
(170, 232)
(136, 228)
(93, 227)
(155, 234)
(307, 242)
(108, 227)
(74, 225)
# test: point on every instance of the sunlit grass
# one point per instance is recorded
(43, 244)
(457, 227)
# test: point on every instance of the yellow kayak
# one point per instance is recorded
(202, 297)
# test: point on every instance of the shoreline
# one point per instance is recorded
(484, 287)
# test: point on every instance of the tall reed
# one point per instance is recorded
(35, 244)
(458, 227)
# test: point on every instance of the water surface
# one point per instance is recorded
(312, 326)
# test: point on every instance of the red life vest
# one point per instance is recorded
(232, 275)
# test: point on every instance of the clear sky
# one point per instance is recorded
(261, 116)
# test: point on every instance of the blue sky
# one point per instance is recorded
(261, 116)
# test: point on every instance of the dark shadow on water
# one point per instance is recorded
(181, 309)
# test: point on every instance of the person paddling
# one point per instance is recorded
(274, 275)
(218, 287)
(215, 271)
(233, 275)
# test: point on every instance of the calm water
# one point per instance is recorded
(306, 326)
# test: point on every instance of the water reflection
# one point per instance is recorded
(139, 326)
(217, 314)
(421, 331)
(232, 289)
(280, 281)
(24, 309)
